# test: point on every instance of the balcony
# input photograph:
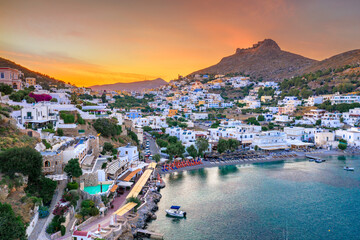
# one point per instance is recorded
(28, 117)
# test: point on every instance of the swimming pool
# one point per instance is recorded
(96, 189)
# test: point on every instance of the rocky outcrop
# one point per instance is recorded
(264, 60)
(147, 212)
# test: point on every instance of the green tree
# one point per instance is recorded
(172, 139)
(43, 188)
(147, 129)
(157, 157)
(161, 143)
(6, 89)
(261, 118)
(60, 132)
(191, 150)
(103, 98)
(202, 145)
(108, 147)
(107, 127)
(175, 149)
(342, 146)
(222, 145)
(26, 160)
(318, 122)
(11, 226)
(233, 144)
(72, 168)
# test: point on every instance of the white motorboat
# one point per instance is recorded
(174, 211)
(349, 168)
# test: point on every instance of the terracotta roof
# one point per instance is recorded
(80, 233)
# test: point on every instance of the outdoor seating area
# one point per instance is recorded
(180, 164)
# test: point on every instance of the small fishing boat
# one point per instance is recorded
(320, 160)
(174, 211)
(348, 168)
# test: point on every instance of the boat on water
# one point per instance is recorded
(174, 211)
(320, 160)
(349, 168)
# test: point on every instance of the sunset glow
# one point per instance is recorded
(101, 42)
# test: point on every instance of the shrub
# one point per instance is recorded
(40, 97)
(60, 210)
(67, 117)
(72, 185)
(94, 211)
(80, 120)
(43, 212)
(60, 132)
(103, 166)
(63, 230)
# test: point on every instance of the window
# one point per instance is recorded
(2, 75)
(47, 164)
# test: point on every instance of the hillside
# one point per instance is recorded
(264, 60)
(339, 60)
(41, 79)
(132, 86)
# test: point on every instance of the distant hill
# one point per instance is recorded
(41, 79)
(340, 60)
(132, 86)
(264, 60)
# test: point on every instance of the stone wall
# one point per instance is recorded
(89, 179)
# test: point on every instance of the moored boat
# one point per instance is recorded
(349, 168)
(174, 211)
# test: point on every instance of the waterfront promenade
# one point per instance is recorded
(280, 156)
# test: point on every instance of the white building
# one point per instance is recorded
(131, 152)
(352, 136)
(38, 115)
(199, 116)
(311, 101)
(270, 140)
(295, 133)
(331, 120)
(337, 99)
(324, 139)
(352, 117)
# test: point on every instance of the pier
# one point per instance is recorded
(317, 159)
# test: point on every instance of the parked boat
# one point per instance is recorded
(174, 211)
(349, 168)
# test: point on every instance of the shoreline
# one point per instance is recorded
(269, 158)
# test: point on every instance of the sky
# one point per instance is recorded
(92, 42)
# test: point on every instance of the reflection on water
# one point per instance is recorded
(175, 176)
(225, 170)
(301, 200)
(275, 164)
(342, 158)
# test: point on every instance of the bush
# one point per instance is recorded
(103, 166)
(107, 127)
(94, 211)
(60, 132)
(63, 230)
(47, 145)
(108, 147)
(43, 212)
(72, 185)
(67, 117)
(80, 120)
(6, 89)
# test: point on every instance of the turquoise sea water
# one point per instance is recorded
(96, 189)
(292, 199)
